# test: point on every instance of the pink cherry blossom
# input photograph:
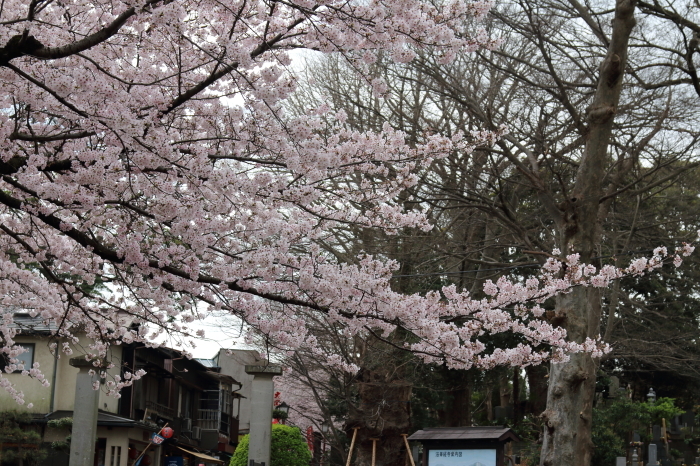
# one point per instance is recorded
(145, 148)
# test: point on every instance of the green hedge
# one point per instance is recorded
(288, 448)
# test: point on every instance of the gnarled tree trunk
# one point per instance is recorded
(567, 433)
(383, 414)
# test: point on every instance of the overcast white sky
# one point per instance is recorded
(220, 333)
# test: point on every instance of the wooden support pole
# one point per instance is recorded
(374, 450)
(138, 460)
(352, 445)
(408, 449)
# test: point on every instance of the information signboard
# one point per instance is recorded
(462, 457)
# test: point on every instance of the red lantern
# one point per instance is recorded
(146, 461)
(133, 453)
(167, 432)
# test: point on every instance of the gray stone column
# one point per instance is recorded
(84, 432)
(261, 412)
(652, 455)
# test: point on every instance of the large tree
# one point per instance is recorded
(600, 159)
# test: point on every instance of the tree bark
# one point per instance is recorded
(567, 419)
(457, 412)
(489, 403)
(504, 391)
(537, 382)
(516, 395)
(461, 407)
(383, 413)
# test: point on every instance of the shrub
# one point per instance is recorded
(288, 448)
(614, 422)
(19, 441)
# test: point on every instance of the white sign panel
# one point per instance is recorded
(462, 458)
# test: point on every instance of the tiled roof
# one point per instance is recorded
(103, 419)
(29, 324)
(210, 363)
(465, 433)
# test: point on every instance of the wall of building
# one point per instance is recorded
(116, 446)
(60, 395)
(65, 383)
(136, 438)
(34, 392)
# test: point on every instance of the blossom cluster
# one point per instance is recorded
(451, 326)
(150, 175)
(149, 170)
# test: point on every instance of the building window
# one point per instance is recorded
(26, 359)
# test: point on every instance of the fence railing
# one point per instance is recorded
(209, 419)
(160, 409)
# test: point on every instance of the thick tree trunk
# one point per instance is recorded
(537, 382)
(461, 408)
(504, 391)
(384, 414)
(567, 419)
(516, 395)
(457, 413)
(489, 403)
(567, 432)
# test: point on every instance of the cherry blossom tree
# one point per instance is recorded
(145, 151)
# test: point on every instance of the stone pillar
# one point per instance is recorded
(652, 455)
(614, 388)
(261, 412)
(621, 461)
(84, 432)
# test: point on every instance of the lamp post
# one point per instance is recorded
(325, 427)
(282, 411)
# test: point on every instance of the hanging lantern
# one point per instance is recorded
(146, 460)
(167, 432)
